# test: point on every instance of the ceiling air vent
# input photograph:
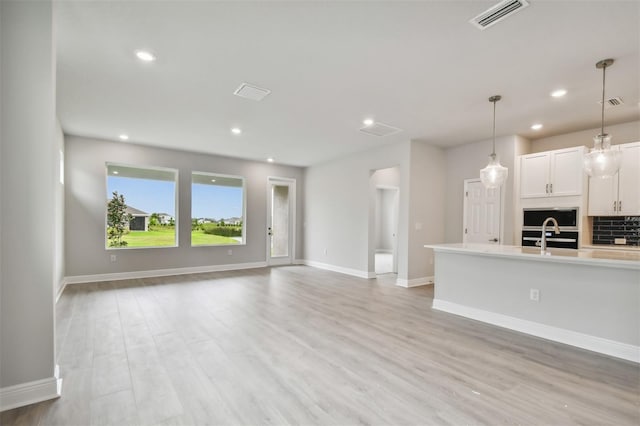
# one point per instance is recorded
(612, 102)
(380, 129)
(249, 91)
(498, 12)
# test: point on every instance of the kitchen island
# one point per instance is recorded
(585, 298)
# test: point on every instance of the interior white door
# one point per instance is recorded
(482, 213)
(280, 221)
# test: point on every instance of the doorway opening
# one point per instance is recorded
(280, 221)
(384, 229)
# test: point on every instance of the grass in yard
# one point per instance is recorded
(199, 238)
(155, 238)
(163, 237)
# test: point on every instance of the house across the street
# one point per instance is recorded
(140, 221)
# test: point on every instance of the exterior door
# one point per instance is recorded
(482, 213)
(280, 221)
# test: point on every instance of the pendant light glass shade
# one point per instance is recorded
(495, 174)
(601, 161)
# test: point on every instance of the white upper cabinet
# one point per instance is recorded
(552, 173)
(618, 195)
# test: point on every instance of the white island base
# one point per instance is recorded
(586, 299)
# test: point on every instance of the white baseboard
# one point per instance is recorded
(415, 282)
(340, 269)
(77, 279)
(573, 338)
(31, 392)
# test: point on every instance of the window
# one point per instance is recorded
(141, 207)
(217, 209)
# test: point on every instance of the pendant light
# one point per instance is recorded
(494, 175)
(601, 160)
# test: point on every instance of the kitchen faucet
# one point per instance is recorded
(543, 244)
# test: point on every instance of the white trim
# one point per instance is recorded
(31, 392)
(415, 282)
(77, 279)
(299, 262)
(293, 211)
(61, 286)
(573, 338)
(340, 269)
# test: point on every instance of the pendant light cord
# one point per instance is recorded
(494, 128)
(604, 70)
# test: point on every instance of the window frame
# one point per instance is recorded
(244, 207)
(176, 173)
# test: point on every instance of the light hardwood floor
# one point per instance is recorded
(297, 345)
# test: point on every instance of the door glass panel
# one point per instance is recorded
(279, 221)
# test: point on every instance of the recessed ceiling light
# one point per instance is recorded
(124, 137)
(367, 121)
(236, 131)
(558, 93)
(270, 159)
(145, 56)
(213, 180)
(115, 172)
(536, 126)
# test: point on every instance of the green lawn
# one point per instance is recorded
(162, 237)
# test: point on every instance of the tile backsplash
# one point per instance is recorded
(607, 228)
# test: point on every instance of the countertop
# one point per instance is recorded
(593, 257)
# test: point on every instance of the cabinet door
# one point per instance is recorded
(629, 180)
(566, 174)
(534, 175)
(603, 193)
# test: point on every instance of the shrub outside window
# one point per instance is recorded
(141, 207)
(217, 209)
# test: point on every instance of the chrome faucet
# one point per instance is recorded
(543, 243)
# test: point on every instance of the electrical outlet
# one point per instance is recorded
(114, 258)
(534, 294)
(622, 241)
(230, 252)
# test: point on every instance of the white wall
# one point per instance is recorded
(339, 200)
(58, 264)
(426, 209)
(464, 162)
(27, 176)
(85, 195)
(620, 133)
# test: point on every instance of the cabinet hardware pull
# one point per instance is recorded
(551, 188)
(614, 206)
(546, 188)
(494, 240)
(619, 206)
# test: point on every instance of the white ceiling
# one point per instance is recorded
(419, 66)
